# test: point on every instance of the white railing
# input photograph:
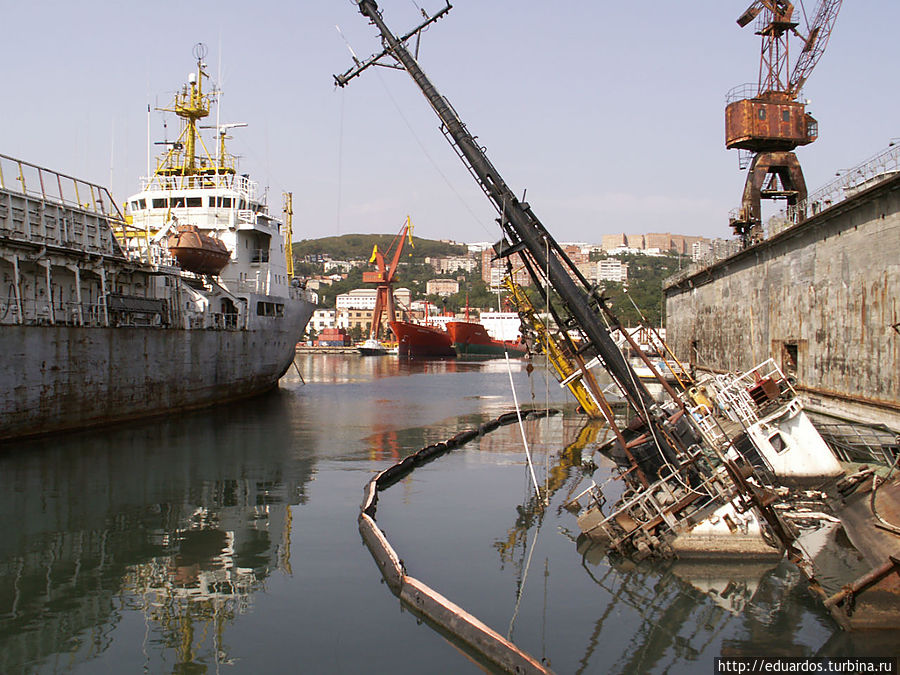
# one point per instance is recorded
(242, 185)
(851, 181)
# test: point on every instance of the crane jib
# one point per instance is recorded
(520, 223)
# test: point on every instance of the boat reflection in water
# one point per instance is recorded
(179, 520)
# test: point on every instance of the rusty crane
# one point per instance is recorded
(772, 121)
(384, 277)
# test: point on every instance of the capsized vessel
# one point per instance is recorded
(679, 480)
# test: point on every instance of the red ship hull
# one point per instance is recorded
(472, 339)
(415, 340)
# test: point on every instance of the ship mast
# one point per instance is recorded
(191, 105)
(525, 232)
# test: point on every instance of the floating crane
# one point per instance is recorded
(384, 277)
(771, 123)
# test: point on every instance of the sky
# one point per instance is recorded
(608, 116)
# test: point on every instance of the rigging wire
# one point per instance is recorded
(340, 162)
(429, 157)
(512, 387)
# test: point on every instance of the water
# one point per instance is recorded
(226, 541)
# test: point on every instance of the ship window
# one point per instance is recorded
(159, 203)
(212, 201)
(785, 115)
(242, 204)
(762, 113)
(269, 309)
(193, 202)
(225, 202)
(176, 202)
(777, 441)
(142, 203)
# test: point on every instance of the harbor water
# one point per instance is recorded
(226, 541)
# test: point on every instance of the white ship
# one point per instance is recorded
(185, 301)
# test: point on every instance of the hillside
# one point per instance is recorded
(359, 246)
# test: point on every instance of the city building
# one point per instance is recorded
(492, 272)
(612, 269)
(364, 298)
(442, 287)
(451, 264)
(654, 243)
(322, 319)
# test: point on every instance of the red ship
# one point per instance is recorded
(419, 340)
(472, 339)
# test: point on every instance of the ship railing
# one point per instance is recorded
(29, 179)
(247, 216)
(849, 182)
(246, 188)
(664, 503)
(742, 398)
(42, 313)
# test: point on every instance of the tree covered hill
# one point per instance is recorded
(359, 246)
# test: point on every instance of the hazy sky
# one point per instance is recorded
(611, 115)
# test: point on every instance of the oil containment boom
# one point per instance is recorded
(525, 232)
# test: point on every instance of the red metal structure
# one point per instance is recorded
(772, 122)
(384, 277)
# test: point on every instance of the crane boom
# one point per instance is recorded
(814, 44)
(526, 232)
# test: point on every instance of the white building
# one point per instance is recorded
(611, 269)
(322, 318)
(364, 298)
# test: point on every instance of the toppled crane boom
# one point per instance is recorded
(678, 483)
(579, 381)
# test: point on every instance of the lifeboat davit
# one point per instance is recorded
(198, 252)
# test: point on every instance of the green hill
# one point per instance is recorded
(359, 246)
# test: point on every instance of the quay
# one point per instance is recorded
(819, 297)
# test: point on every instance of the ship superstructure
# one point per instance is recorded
(102, 323)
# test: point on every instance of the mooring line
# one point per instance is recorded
(422, 599)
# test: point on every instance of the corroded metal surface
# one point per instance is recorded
(820, 298)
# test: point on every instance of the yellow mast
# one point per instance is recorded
(191, 105)
(289, 233)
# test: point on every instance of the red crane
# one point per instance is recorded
(384, 277)
(773, 122)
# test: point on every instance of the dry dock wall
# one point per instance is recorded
(822, 298)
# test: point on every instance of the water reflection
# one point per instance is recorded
(180, 519)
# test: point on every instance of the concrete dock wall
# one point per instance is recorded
(822, 298)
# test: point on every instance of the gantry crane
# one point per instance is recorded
(773, 122)
(384, 277)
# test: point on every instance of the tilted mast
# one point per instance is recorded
(524, 230)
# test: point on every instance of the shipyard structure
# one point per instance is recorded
(821, 297)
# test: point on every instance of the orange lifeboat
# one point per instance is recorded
(197, 252)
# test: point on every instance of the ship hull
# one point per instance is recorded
(58, 378)
(471, 339)
(415, 341)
